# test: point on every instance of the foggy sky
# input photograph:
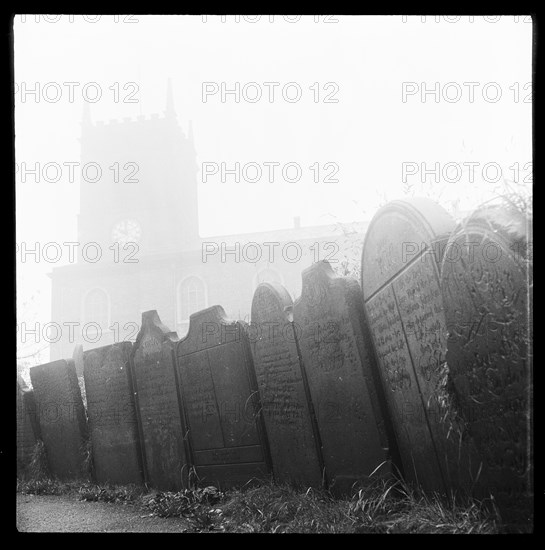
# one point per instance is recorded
(368, 133)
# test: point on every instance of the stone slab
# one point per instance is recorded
(328, 320)
(112, 416)
(62, 419)
(158, 405)
(285, 397)
(221, 401)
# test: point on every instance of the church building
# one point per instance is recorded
(139, 244)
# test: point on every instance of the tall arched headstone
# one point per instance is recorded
(112, 416)
(329, 324)
(283, 388)
(158, 405)
(487, 282)
(63, 424)
(401, 255)
(221, 401)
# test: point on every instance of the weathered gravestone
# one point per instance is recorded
(400, 280)
(158, 405)
(486, 281)
(63, 424)
(328, 320)
(285, 399)
(221, 402)
(112, 416)
(28, 429)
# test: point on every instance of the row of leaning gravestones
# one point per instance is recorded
(422, 369)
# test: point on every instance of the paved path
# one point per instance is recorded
(67, 514)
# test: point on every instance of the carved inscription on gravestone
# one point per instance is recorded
(61, 416)
(158, 405)
(285, 399)
(403, 302)
(28, 430)
(337, 361)
(112, 417)
(221, 402)
(486, 284)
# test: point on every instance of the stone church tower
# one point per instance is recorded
(139, 245)
(148, 189)
(138, 217)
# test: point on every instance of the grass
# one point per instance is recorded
(44, 486)
(38, 468)
(195, 504)
(388, 506)
(393, 507)
(37, 480)
(92, 492)
(283, 509)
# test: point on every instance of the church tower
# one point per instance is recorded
(139, 183)
(138, 203)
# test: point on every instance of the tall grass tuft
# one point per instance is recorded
(38, 480)
(273, 508)
(391, 506)
(195, 504)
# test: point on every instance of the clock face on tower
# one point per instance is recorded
(126, 231)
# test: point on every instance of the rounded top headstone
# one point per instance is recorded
(272, 293)
(485, 284)
(398, 233)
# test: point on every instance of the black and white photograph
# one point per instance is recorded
(273, 273)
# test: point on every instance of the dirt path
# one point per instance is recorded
(67, 514)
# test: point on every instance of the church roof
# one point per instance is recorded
(295, 233)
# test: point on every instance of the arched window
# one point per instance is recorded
(96, 308)
(267, 275)
(191, 297)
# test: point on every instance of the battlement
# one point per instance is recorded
(153, 117)
(167, 117)
(139, 124)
